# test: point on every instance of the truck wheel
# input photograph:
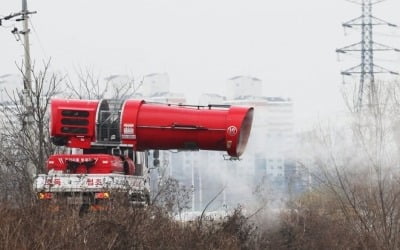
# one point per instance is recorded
(126, 168)
(84, 209)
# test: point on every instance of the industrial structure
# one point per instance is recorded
(367, 47)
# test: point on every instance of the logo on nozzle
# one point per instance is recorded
(232, 130)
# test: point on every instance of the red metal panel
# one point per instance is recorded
(103, 163)
(74, 120)
(129, 113)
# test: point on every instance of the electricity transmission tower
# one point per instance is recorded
(367, 46)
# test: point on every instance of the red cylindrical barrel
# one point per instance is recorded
(86, 124)
(161, 126)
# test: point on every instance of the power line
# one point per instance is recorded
(38, 38)
(23, 16)
(367, 47)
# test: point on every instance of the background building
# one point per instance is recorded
(271, 140)
(155, 88)
(242, 86)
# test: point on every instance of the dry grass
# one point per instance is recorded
(313, 222)
(37, 227)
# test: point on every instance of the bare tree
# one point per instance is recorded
(169, 193)
(124, 88)
(25, 144)
(357, 166)
(90, 85)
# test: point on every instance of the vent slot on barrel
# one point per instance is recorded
(79, 122)
(75, 122)
(75, 113)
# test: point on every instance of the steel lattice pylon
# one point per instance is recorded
(367, 55)
(367, 68)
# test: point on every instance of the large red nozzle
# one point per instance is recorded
(85, 124)
(160, 126)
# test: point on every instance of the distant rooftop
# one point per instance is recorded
(161, 94)
(166, 95)
(154, 74)
(111, 77)
(263, 98)
(276, 99)
(250, 77)
(214, 95)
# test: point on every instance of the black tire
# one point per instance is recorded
(84, 209)
(126, 168)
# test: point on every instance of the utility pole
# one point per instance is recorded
(367, 46)
(27, 55)
(28, 117)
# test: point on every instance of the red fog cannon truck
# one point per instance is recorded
(110, 140)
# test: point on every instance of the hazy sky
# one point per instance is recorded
(289, 44)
